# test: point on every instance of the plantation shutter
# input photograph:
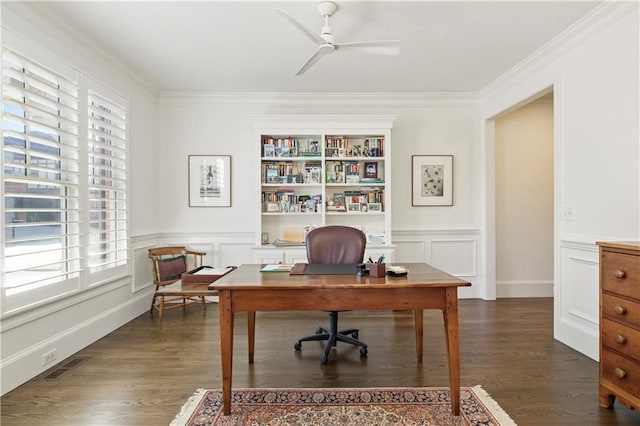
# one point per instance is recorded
(40, 178)
(107, 171)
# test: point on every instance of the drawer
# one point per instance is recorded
(620, 372)
(620, 273)
(620, 309)
(620, 338)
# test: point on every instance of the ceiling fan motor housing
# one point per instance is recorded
(327, 8)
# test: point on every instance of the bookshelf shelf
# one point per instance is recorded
(322, 170)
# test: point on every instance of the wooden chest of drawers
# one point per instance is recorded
(620, 324)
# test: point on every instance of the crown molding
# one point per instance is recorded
(55, 28)
(306, 99)
(601, 17)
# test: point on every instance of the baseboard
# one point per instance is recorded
(507, 289)
(27, 364)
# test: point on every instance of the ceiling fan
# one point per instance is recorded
(326, 43)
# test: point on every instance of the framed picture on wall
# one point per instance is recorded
(431, 180)
(209, 181)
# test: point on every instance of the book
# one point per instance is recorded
(279, 267)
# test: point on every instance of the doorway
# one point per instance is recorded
(524, 200)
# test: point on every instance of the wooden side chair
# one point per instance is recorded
(167, 265)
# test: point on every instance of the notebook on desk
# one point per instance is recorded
(325, 269)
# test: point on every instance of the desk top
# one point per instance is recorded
(420, 275)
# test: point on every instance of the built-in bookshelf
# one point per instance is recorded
(322, 170)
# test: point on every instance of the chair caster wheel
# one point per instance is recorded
(318, 331)
(297, 346)
(323, 360)
(355, 334)
(363, 351)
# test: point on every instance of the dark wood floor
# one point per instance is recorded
(142, 373)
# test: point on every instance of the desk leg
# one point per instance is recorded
(452, 332)
(226, 347)
(419, 329)
(251, 333)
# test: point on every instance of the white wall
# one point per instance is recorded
(86, 315)
(524, 200)
(215, 124)
(594, 75)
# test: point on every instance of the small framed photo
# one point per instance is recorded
(294, 179)
(353, 207)
(364, 207)
(371, 169)
(375, 207)
(269, 150)
(209, 181)
(431, 180)
(272, 176)
(265, 238)
(273, 208)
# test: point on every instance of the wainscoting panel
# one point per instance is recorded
(410, 250)
(141, 265)
(453, 250)
(458, 257)
(576, 299)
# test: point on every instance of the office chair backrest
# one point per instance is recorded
(335, 244)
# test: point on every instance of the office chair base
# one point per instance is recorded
(332, 336)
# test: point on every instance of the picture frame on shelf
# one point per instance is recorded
(297, 178)
(431, 180)
(272, 208)
(209, 180)
(353, 207)
(269, 150)
(375, 207)
(272, 176)
(371, 170)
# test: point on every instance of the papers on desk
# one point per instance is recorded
(208, 270)
(277, 268)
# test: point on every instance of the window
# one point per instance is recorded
(107, 150)
(64, 193)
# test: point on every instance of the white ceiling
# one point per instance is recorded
(240, 46)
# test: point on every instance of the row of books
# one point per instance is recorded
(286, 201)
(285, 172)
(364, 195)
(345, 147)
(290, 147)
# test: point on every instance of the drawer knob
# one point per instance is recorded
(621, 373)
(621, 339)
(620, 274)
(620, 310)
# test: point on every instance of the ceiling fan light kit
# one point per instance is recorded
(325, 41)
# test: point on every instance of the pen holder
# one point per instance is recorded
(377, 269)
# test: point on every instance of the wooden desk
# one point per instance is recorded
(249, 290)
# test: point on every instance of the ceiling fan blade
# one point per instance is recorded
(378, 47)
(311, 35)
(325, 49)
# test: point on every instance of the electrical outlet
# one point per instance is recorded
(49, 357)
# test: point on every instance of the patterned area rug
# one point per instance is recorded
(373, 406)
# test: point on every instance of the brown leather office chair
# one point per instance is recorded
(167, 266)
(332, 245)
